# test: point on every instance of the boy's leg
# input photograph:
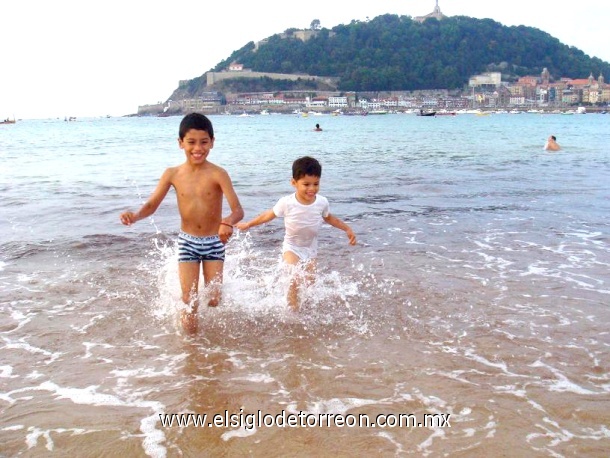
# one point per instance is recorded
(189, 284)
(310, 269)
(293, 290)
(212, 276)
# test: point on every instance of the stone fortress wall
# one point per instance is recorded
(215, 77)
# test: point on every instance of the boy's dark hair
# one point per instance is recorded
(306, 166)
(195, 121)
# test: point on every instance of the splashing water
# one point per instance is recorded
(255, 285)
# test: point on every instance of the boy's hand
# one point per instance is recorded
(351, 236)
(128, 218)
(242, 226)
(225, 231)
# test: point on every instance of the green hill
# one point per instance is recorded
(394, 52)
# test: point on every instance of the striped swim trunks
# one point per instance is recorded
(198, 249)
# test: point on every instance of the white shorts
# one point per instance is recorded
(305, 253)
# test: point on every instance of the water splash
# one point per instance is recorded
(255, 285)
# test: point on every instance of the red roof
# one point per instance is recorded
(579, 82)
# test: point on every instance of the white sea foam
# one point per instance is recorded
(423, 446)
(34, 434)
(241, 432)
(13, 428)
(562, 383)
(34, 375)
(256, 378)
(91, 323)
(153, 437)
(51, 356)
(90, 345)
(334, 405)
(389, 437)
(6, 371)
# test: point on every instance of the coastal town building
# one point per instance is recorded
(484, 91)
(489, 80)
(337, 102)
(539, 91)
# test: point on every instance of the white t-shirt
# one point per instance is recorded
(302, 223)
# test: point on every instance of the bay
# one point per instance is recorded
(478, 291)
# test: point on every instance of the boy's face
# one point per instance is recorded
(196, 145)
(306, 188)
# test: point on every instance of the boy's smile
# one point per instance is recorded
(196, 145)
(306, 188)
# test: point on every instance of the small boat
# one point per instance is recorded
(8, 121)
(426, 113)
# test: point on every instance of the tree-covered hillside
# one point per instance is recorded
(394, 52)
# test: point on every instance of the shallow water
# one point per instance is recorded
(479, 290)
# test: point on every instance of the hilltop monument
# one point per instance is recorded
(436, 14)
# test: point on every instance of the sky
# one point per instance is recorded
(73, 58)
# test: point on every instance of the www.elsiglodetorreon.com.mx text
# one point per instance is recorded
(300, 419)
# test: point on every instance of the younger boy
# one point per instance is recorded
(303, 213)
(200, 186)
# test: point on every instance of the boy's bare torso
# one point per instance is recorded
(199, 194)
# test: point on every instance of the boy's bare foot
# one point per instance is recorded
(213, 303)
(189, 321)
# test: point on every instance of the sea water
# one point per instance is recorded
(478, 291)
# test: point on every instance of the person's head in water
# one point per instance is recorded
(551, 144)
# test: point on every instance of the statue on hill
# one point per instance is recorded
(436, 14)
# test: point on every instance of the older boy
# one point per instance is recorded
(200, 186)
(303, 213)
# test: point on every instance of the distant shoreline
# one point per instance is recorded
(290, 110)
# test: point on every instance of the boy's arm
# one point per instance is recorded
(153, 202)
(225, 228)
(263, 218)
(237, 212)
(339, 224)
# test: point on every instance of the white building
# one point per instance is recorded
(486, 79)
(337, 102)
